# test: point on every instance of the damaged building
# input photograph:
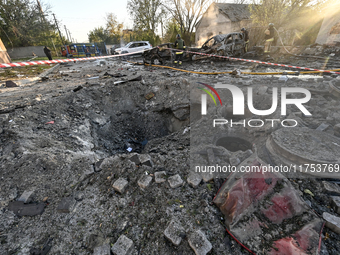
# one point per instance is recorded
(222, 18)
(4, 57)
(330, 30)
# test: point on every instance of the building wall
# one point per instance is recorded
(212, 23)
(24, 52)
(330, 29)
(4, 57)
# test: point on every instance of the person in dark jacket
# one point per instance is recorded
(269, 37)
(246, 38)
(48, 53)
(180, 45)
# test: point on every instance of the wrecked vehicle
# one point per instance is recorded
(158, 54)
(230, 45)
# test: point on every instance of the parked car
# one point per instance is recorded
(132, 47)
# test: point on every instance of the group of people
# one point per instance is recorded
(269, 38)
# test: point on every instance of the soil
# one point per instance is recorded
(73, 133)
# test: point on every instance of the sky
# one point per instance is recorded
(80, 17)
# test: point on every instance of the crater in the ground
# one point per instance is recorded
(234, 143)
(123, 126)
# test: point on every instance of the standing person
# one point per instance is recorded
(180, 45)
(246, 38)
(269, 37)
(48, 53)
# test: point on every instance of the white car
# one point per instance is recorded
(131, 47)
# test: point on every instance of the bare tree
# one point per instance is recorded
(187, 13)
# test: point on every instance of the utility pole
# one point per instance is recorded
(67, 33)
(56, 23)
(72, 40)
(43, 20)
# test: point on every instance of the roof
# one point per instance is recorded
(235, 12)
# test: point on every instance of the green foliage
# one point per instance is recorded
(22, 24)
(97, 35)
(279, 12)
(172, 28)
(146, 14)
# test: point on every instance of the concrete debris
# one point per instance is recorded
(199, 243)
(120, 185)
(144, 181)
(160, 177)
(145, 160)
(331, 188)
(194, 179)
(332, 222)
(175, 181)
(66, 205)
(96, 195)
(22, 209)
(26, 197)
(102, 250)
(174, 232)
(123, 246)
(335, 203)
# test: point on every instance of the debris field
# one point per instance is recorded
(95, 158)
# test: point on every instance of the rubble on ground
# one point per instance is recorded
(107, 169)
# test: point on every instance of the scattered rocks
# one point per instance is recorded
(102, 250)
(332, 222)
(160, 177)
(145, 160)
(335, 203)
(199, 243)
(175, 181)
(120, 185)
(173, 232)
(194, 179)
(144, 181)
(22, 209)
(66, 205)
(123, 246)
(26, 197)
(331, 188)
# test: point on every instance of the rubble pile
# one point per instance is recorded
(95, 159)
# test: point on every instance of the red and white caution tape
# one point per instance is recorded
(260, 62)
(45, 62)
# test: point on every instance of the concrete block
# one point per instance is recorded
(174, 232)
(194, 179)
(335, 203)
(331, 188)
(134, 158)
(102, 250)
(234, 161)
(144, 181)
(145, 160)
(160, 177)
(199, 243)
(120, 185)
(66, 205)
(123, 246)
(175, 181)
(332, 222)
